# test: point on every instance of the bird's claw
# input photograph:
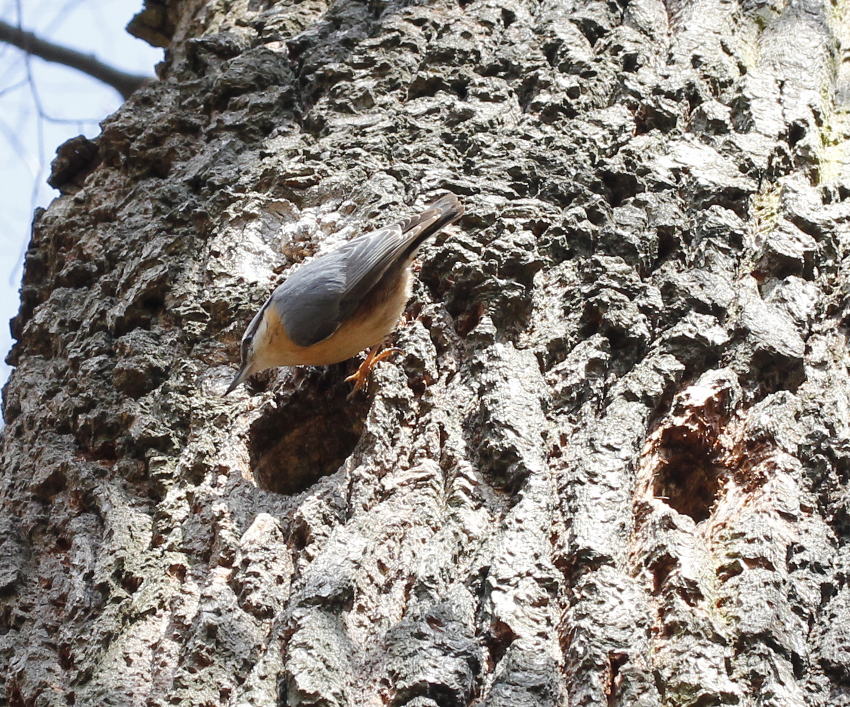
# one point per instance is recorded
(361, 375)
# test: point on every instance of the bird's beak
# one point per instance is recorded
(244, 372)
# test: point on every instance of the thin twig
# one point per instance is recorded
(17, 146)
(36, 99)
(123, 82)
(13, 87)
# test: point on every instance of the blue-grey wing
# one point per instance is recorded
(308, 304)
(317, 298)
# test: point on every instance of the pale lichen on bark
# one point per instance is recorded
(612, 464)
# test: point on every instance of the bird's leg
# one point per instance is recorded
(361, 375)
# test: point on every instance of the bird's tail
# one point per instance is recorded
(439, 214)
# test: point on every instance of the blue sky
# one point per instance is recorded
(73, 102)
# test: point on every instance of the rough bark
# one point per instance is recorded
(612, 466)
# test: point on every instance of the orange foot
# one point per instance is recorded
(361, 375)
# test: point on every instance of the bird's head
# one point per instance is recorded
(248, 352)
(246, 367)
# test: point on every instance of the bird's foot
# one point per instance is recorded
(361, 375)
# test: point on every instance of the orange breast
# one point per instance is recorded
(368, 326)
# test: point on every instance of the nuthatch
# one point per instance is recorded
(343, 302)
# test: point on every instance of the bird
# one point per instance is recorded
(343, 302)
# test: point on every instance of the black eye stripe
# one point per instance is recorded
(251, 332)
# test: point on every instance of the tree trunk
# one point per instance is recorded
(612, 465)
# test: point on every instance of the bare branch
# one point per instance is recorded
(123, 82)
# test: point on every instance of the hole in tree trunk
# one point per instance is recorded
(310, 433)
(689, 478)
